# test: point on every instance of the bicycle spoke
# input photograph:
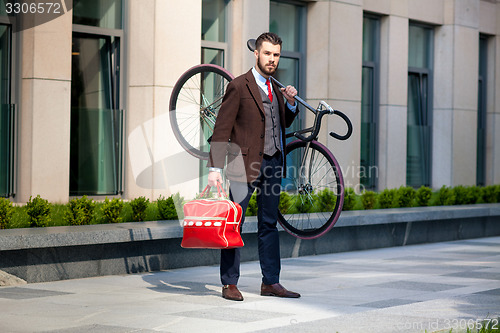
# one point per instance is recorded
(307, 216)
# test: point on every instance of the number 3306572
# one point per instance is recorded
(33, 8)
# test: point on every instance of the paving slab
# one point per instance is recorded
(419, 288)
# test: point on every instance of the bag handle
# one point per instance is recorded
(219, 190)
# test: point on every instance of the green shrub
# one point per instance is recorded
(6, 211)
(326, 200)
(166, 208)
(404, 197)
(368, 199)
(386, 198)
(80, 211)
(252, 205)
(423, 196)
(285, 202)
(445, 197)
(489, 194)
(349, 199)
(111, 210)
(465, 195)
(38, 210)
(139, 206)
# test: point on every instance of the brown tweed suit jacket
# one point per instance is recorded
(240, 126)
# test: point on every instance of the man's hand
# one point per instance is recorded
(214, 177)
(289, 92)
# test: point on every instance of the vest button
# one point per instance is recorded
(262, 136)
(263, 119)
(260, 154)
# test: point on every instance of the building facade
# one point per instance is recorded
(85, 92)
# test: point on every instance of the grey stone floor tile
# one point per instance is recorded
(477, 275)
(413, 285)
(27, 293)
(387, 303)
(99, 329)
(407, 289)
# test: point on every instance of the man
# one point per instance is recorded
(251, 127)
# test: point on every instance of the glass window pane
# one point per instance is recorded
(98, 13)
(420, 39)
(368, 129)
(213, 20)
(481, 113)
(369, 38)
(418, 132)
(212, 56)
(95, 147)
(285, 21)
(5, 111)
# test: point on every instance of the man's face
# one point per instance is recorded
(268, 58)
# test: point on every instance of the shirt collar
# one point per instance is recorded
(261, 81)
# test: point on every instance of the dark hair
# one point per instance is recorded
(270, 37)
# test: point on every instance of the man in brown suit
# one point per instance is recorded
(250, 131)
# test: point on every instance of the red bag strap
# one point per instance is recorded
(219, 190)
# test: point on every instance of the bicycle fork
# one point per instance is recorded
(304, 186)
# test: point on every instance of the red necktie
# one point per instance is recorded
(269, 91)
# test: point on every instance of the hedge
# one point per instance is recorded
(83, 211)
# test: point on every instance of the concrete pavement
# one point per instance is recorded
(419, 288)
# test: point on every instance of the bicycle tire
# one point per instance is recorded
(322, 171)
(194, 106)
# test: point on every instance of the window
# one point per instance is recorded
(98, 13)
(213, 32)
(481, 112)
(287, 20)
(96, 117)
(418, 159)
(6, 113)
(369, 102)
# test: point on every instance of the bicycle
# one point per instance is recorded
(312, 170)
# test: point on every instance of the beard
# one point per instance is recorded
(265, 69)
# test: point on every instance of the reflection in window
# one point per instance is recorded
(481, 112)
(418, 159)
(98, 13)
(369, 103)
(6, 114)
(95, 158)
(213, 20)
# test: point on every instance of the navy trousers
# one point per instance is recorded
(268, 187)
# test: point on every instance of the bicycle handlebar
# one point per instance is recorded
(319, 112)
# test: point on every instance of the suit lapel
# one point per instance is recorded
(254, 91)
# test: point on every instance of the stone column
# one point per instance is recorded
(393, 98)
(334, 74)
(163, 42)
(455, 96)
(44, 111)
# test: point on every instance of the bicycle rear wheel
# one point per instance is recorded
(312, 192)
(194, 106)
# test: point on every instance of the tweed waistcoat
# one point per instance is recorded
(272, 132)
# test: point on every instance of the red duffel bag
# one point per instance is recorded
(212, 223)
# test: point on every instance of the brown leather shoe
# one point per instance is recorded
(277, 290)
(231, 292)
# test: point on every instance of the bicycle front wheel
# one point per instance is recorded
(312, 192)
(194, 106)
